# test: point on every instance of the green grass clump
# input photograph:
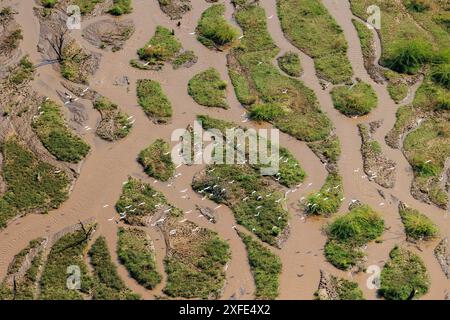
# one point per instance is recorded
(56, 136)
(22, 73)
(162, 47)
(441, 75)
(265, 267)
(195, 265)
(355, 100)
(107, 283)
(32, 185)
(213, 29)
(139, 200)
(152, 99)
(328, 200)
(24, 287)
(267, 112)
(272, 218)
(115, 124)
(329, 150)
(404, 276)
(121, 7)
(135, 251)
(157, 160)
(309, 26)
(66, 252)
(409, 56)
(87, 6)
(73, 59)
(185, 58)
(208, 89)
(346, 234)
(49, 3)
(345, 290)
(417, 225)
(290, 63)
(257, 80)
(366, 39)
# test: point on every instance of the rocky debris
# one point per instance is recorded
(175, 9)
(10, 36)
(208, 213)
(327, 287)
(354, 204)
(374, 125)
(377, 167)
(442, 254)
(122, 81)
(109, 34)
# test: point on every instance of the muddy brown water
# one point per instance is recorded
(109, 164)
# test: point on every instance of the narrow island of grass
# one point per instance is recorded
(355, 100)
(290, 64)
(348, 233)
(157, 160)
(136, 252)
(311, 28)
(55, 135)
(66, 254)
(153, 101)
(32, 185)
(208, 89)
(107, 283)
(213, 30)
(404, 276)
(265, 267)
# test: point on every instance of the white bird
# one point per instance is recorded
(241, 37)
(217, 207)
(106, 206)
(271, 17)
(183, 191)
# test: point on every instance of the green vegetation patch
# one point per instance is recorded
(184, 59)
(153, 100)
(87, 6)
(366, 39)
(67, 254)
(157, 160)
(417, 225)
(73, 63)
(115, 124)
(291, 106)
(213, 29)
(24, 287)
(54, 134)
(32, 185)
(348, 233)
(136, 252)
(121, 7)
(22, 73)
(355, 100)
(344, 289)
(162, 47)
(328, 200)
(265, 267)
(290, 63)
(404, 276)
(309, 26)
(107, 283)
(256, 204)
(208, 89)
(195, 263)
(139, 201)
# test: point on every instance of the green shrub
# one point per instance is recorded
(290, 63)
(409, 56)
(355, 100)
(23, 72)
(208, 89)
(54, 134)
(49, 3)
(162, 47)
(153, 100)
(265, 267)
(157, 160)
(346, 234)
(213, 29)
(417, 225)
(441, 74)
(121, 7)
(135, 251)
(404, 276)
(418, 5)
